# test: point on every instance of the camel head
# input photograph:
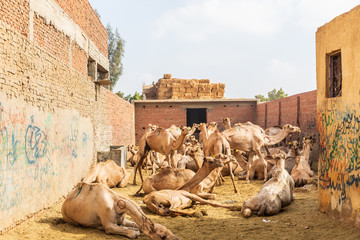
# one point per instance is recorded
(294, 145)
(213, 124)
(309, 142)
(213, 163)
(152, 127)
(184, 130)
(202, 126)
(160, 232)
(226, 120)
(291, 129)
(195, 125)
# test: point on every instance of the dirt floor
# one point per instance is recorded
(300, 220)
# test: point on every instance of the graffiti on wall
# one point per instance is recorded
(339, 161)
(38, 151)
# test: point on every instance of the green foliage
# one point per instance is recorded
(115, 52)
(272, 95)
(129, 97)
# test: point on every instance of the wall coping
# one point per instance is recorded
(222, 100)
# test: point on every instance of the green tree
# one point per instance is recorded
(272, 95)
(115, 52)
(129, 97)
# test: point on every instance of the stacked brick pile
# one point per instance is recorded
(174, 88)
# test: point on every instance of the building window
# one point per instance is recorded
(334, 75)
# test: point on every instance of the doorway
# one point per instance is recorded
(195, 115)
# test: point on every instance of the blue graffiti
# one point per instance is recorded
(84, 143)
(13, 155)
(36, 144)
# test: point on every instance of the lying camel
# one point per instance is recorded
(301, 173)
(275, 194)
(183, 179)
(108, 173)
(193, 160)
(250, 138)
(166, 202)
(291, 156)
(95, 205)
(161, 141)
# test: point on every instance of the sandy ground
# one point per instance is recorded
(300, 220)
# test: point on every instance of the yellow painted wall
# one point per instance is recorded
(338, 119)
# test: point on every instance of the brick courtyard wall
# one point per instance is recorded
(52, 116)
(298, 110)
(166, 113)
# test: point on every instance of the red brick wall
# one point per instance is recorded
(120, 115)
(15, 13)
(83, 15)
(166, 114)
(50, 39)
(79, 58)
(289, 112)
(241, 112)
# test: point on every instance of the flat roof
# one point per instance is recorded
(221, 100)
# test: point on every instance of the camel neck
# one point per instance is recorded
(274, 139)
(200, 175)
(178, 143)
(306, 152)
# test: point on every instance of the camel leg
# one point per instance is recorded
(109, 221)
(257, 151)
(232, 177)
(128, 223)
(251, 156)
(138, 166)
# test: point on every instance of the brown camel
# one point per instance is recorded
(249, 138)
(217, 144)
(166, 202)
(108, 173)
(301, 173)
(275, 194)
(183, 179)
(161, 141)
(193, 160)
(97, 206)
(294, 152)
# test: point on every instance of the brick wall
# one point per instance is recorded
(51, 39)
(164, 114)
(52, 116)
(15, 14)
(83, 15)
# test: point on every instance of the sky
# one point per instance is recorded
(253, 46)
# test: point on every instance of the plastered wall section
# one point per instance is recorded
(166, 114)
(338, 119)
(52, 116)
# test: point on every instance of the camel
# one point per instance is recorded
(275, 194)
(173, 179)
(166, 202)
(95, 205)
(227, 123)
(130, 156)
(249, 138)
(301, 173)
(161, 141)
(291, 156)
(193, 160)
(108, 173)
(217, 144)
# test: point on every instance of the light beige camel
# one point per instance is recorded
(301, 173)
(183, 179)
(250, 139)
(161, 141)
(193, 160)
(217, 144)
(97, 206)
(227, 123)
(294, 152)
(166, 202)
(108, 173)
(275, 194)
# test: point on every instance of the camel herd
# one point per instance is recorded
(185, 171)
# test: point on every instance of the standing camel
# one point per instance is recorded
(161, 141)
(249, 138)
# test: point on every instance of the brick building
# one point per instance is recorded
(54, 112)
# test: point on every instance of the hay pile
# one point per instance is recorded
(174, 88)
